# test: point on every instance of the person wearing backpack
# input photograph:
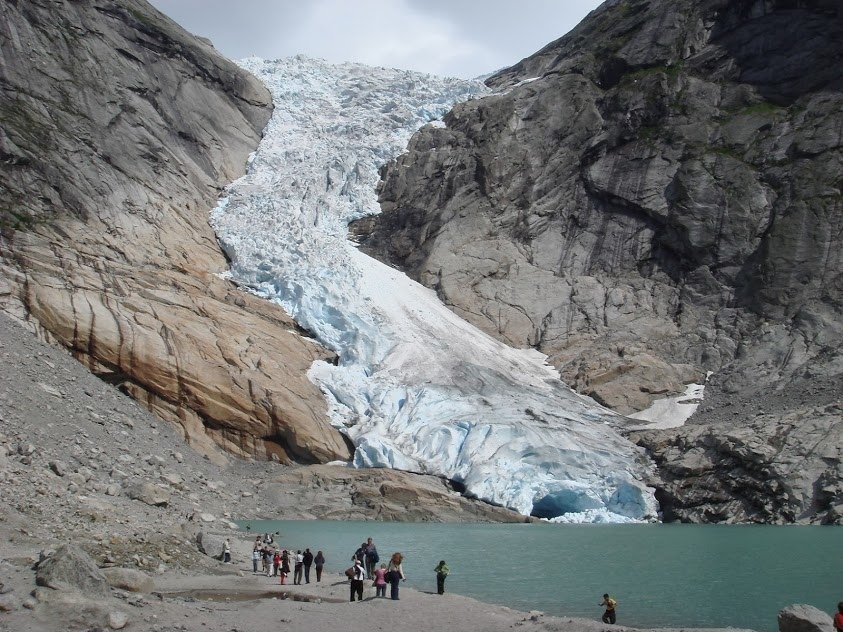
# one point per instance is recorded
(609, 616)
(372, 558)
(442, 571)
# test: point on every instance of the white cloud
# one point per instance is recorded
(378, 33)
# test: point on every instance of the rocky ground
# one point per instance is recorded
(82, 463)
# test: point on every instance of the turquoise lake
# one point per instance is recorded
(661, 575)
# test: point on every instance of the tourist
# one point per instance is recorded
(285, 565)
(267, 561)
(360, 554)
(611, 604)
(276, 563)
(226, 551)
(299, 569)
(372, 557)
(380, 581)
(838, 618)
(308, 562)
(395, 574)
(442, 571)
(256, 557)
(357, 580)
(319, 561)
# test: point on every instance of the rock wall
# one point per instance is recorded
(119, 131)
(654, 196)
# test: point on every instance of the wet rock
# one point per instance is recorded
(804, 618)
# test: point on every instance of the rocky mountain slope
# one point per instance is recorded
(652, 197)
(119, 130)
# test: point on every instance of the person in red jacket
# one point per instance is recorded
(838, 618)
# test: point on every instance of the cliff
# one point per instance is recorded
(119, 130)
(652, 197)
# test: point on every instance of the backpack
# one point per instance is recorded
(349, 572)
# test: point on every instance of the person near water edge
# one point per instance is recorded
(395, 574)
(442, 571)
(609, 616)
(357, 580)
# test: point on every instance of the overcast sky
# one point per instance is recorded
(463, 38)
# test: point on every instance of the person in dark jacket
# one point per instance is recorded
(308, 562)
(319, 561)
(372, 558)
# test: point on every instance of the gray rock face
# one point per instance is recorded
(804, 618)
(662, 200)
(70, 568)
(148, 493)
(119, 131)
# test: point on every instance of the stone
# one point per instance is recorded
(129, 579)
(59, 468)
(70, 568)
(804, 618)
(148, 493)
(9, 602)
(117, 620)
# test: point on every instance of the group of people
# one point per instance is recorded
(365, 566)
(276, 562)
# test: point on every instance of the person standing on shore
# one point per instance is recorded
(226, 551)
(308, 562)
(380, 581)
(319, 561)
(838, 618)
(372, 558)
(285, 565)
(256, 557)
(297, 575)
(442, 571)
(357, 580)
(395, 574)
(609, 616)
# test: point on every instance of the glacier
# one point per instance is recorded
(415, 387)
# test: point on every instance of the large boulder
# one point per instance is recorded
(69, 568)
(120, 130)
(804, 618)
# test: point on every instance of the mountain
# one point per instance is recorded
(119, 131)
(653, 197)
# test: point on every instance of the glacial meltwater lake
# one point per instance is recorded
(662, 575)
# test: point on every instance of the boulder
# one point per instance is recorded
(149, 494)
(129, 579)
(804, 618)
(71, 569)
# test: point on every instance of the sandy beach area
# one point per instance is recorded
(251, 602)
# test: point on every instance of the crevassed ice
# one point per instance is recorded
(416, 388)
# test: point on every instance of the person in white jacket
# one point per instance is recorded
(357, 580)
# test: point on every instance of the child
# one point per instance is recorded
(380, 581)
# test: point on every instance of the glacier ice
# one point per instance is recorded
(416, 387)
